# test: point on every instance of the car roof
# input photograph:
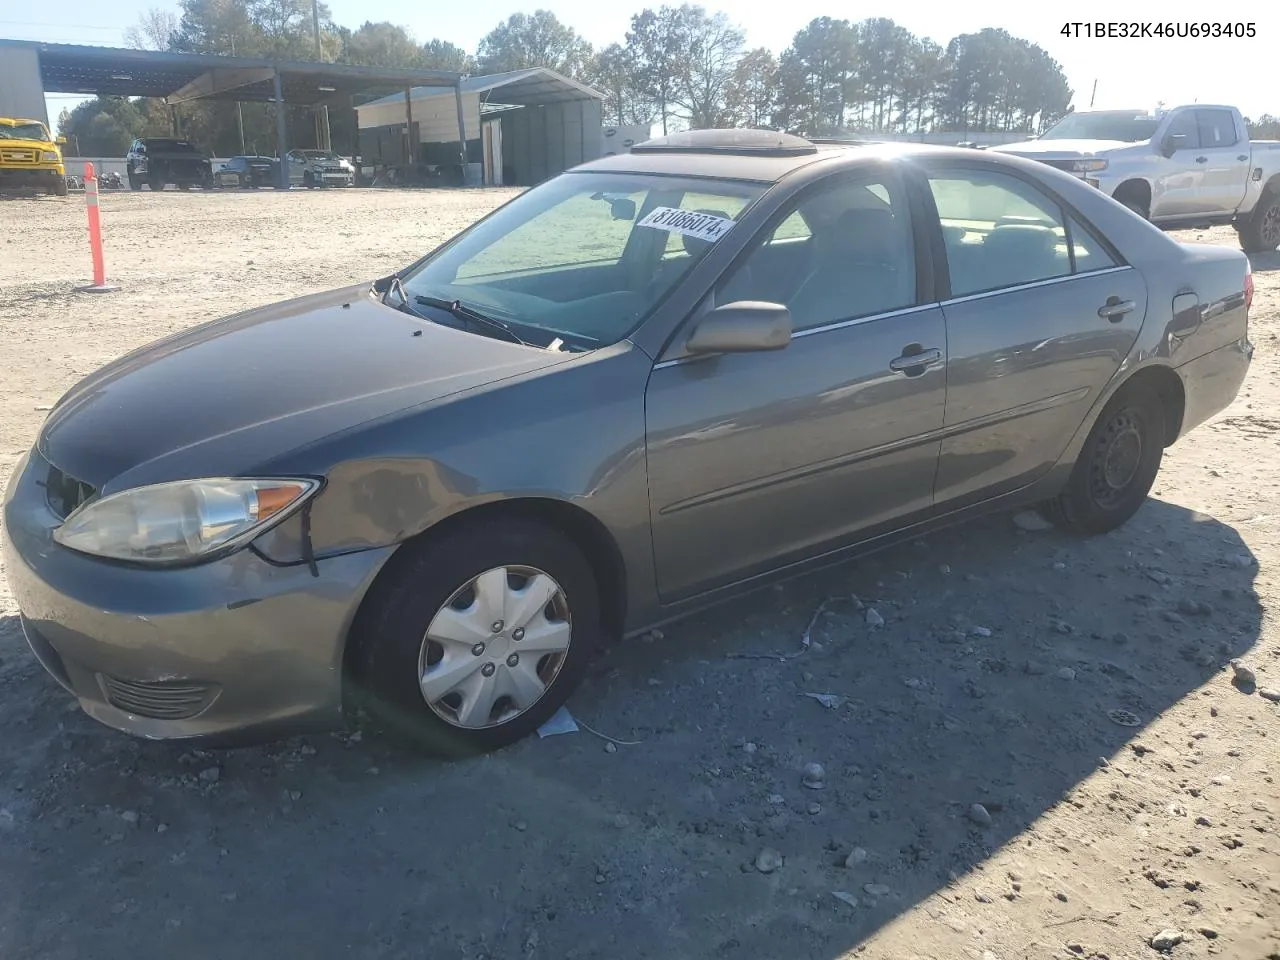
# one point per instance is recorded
(758, 155)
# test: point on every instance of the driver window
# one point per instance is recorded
(1185, 124)
(842, 251)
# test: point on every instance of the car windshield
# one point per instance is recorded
(172, 146)
(585, 257)
(320, 154)
(1125, 127)
(24, 131)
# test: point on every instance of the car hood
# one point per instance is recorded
(1060, 148)
(221, 398)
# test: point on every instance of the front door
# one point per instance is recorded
(760, 459)
(1040, 317)
(1177, 180)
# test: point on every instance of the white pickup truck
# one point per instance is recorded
(1188, 166)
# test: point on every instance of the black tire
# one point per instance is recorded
(135, 182)
(1112, 477)
(156, 182)
(1137, 206)
(1260, 231)
(184, 186)
(60, 188)
(389, 636)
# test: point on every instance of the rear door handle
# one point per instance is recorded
(1202, 159)
(915, 360)
(1115, 308)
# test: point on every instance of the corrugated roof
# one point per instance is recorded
(523, 88)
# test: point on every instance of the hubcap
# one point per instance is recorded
(1116, 459)
(494, 648)
(1271, 225)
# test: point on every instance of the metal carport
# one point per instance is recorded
(184, 77)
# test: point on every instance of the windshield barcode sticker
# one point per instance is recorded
(704, 226)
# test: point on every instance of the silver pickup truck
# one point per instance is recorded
(1187, 166)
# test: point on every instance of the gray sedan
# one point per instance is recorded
(646, 385)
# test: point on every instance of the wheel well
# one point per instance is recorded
(1166, 385)
(1136, 190)
(588, 534)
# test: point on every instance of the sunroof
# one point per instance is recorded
(748, 142)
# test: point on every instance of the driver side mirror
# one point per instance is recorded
(1172, 144)
(745, 326)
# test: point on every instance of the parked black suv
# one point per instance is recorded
(157, 161)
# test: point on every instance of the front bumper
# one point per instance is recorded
(231, 651)
(31, 178)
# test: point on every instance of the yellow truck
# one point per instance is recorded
(30, 159)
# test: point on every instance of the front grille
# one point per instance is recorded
(158, 699)
(65, 493)
(19, 155)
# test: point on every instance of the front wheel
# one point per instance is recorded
(1260, 231)
(472, 641)
(1117, 466)
(135, 181)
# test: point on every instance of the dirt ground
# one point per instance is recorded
(1001, 657)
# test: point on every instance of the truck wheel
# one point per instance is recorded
(184, 186)
(60, 188)
(156, 182)
(135, 181)
(1260, 231)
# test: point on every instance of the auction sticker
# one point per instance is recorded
(704, 226)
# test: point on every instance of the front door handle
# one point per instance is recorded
(1243, 157)
(1115, 308)
(1202, 159)
(915, 360)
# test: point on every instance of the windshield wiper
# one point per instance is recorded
(460, 310)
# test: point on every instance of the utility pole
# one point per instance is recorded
(1094, 94)
(322, 116)
(239, 106)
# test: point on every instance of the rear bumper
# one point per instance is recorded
(1211, 382)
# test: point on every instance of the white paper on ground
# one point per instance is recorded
(704, 226)
(561, 722)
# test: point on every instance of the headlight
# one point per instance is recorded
(184, 521)
(50, 156)
(1089, 165)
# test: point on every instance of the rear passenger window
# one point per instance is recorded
(999, 232)
(1217, 128)
(1089, 253)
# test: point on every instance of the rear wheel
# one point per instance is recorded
(156, 182)
(1116, 467)
(135, 181)
(1260, 231)
(472, 641)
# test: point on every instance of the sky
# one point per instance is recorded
(1130, 73)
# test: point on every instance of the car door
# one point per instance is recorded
(761, 459)
(1040, 312)
(1177, 178)
(1224, 160)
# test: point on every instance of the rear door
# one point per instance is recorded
(1224, 157)
(760, 459)
(1040, 312)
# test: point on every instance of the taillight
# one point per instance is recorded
(1248, 288)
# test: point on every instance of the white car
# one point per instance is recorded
(1186, 166)
(319, 168)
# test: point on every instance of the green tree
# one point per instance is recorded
(443, 55)
(815, 77)
(751, 98)
(533, 40)
(613, 73)
(711, 47)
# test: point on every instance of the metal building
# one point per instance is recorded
(522, 127)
